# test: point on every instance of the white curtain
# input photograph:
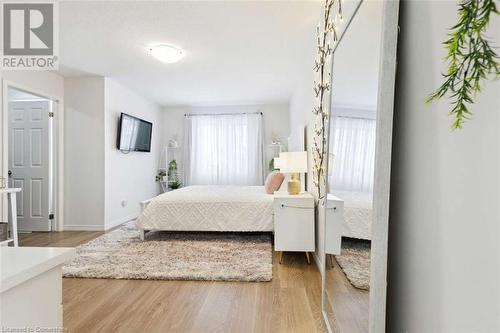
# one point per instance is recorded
(224, 149)
(353, 146)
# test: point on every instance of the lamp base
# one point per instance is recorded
(294, 185)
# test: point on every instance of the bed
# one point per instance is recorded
(208, 208)
(358, 214)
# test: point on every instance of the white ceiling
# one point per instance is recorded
(237, 52)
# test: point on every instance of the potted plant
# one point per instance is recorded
(160, 176)
(172, 168)
(175, 184)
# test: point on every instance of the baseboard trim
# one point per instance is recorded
(98, 227)
(90, 227)
(118, 222)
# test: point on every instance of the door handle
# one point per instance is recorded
(9, 173)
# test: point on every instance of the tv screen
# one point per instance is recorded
(134, 134)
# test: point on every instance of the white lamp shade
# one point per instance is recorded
(293, 162)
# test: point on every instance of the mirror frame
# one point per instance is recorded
(383, 149)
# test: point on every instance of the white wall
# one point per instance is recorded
(276, 122)
(84, 153)
(356, 65)
(301, 106)
(444, 239)
(129, 178)
(356, 75)
(99, 178)
(42, 81)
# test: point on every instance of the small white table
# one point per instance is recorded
(11, 196)
(294, 223)
(31, 286)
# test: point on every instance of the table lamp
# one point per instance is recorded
(295, 163)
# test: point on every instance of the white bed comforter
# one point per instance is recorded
(210, 208)
(358, 214)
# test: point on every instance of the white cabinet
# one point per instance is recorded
(294, 223)
(31, 287)
(334, 224)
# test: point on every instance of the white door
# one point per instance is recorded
(29, 162)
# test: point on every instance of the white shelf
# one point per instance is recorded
(20, 264)
(7, 241)
(10, 190)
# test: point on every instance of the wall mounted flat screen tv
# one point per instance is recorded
(134, 134)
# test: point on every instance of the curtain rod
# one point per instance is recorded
(356, 117)
(219, 114)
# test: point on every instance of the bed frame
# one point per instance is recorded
(143, 205)
(264, 220)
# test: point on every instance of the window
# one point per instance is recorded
(224, 149)
(353, 146)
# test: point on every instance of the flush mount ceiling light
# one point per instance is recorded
(166, 53)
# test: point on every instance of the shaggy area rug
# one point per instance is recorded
(354, 259)
(120, 254)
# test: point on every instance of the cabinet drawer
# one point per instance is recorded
(294, 225)
(333, 226)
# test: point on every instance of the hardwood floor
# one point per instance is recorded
(57, 239)
(291, 302)
(349, 306)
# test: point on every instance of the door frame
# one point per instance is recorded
(58, 145)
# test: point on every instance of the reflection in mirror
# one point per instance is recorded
(351, 171)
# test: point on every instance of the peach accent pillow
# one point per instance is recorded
(273, 182)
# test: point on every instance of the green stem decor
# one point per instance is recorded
(471, 58)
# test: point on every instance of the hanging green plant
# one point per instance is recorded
(471, 58)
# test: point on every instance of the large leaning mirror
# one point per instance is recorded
(359, 141)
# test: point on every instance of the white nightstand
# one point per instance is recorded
(334, 224)
(294, 223)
